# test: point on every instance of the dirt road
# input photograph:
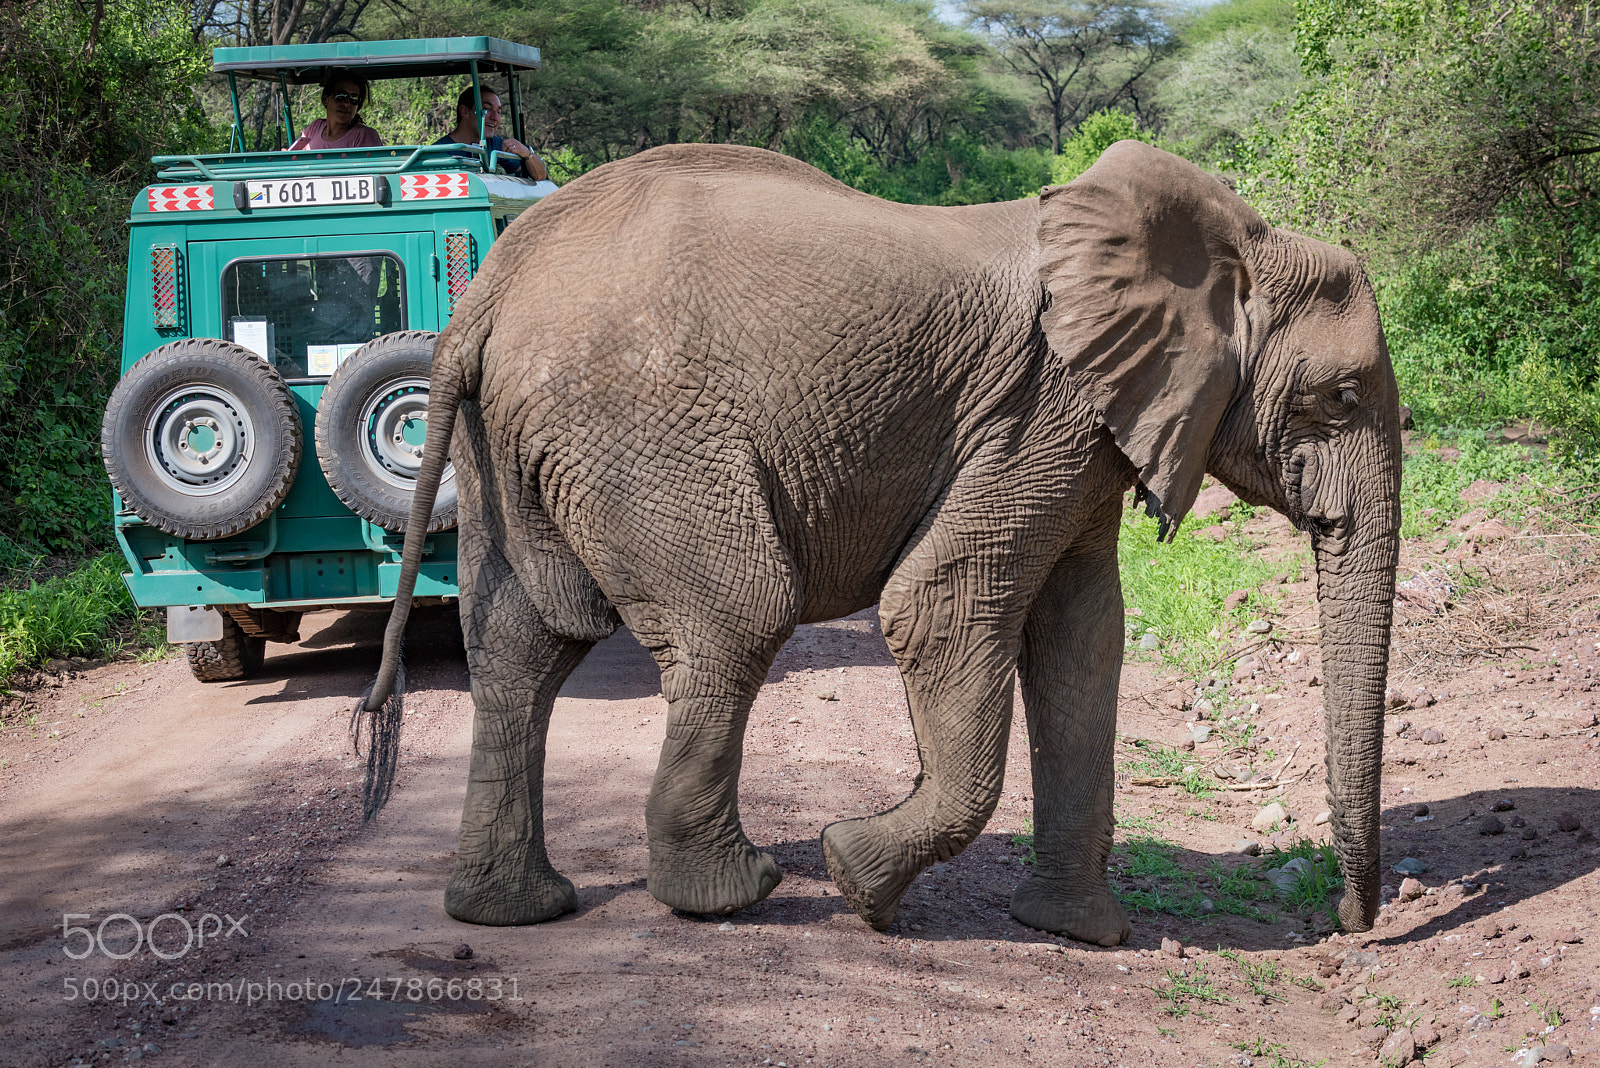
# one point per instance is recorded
(231, 812)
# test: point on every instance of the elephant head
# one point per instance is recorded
(1211, 341)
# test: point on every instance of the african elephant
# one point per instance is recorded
(713, 393)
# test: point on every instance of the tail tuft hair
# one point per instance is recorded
(383, 744)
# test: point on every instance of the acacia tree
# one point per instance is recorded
(1083, 55)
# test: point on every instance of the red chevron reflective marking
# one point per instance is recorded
(432, 186)
(181, 198)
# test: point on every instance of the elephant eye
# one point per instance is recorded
(1348, 398)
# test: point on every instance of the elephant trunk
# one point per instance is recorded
(1355, 591)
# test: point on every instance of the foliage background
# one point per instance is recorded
(1450, 143)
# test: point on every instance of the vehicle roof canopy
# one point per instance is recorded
(304, 64)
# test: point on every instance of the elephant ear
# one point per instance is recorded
(1151, 305)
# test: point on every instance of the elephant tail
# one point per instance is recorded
(457, 364)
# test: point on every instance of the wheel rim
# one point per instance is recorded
(199, 440)
(394, 425)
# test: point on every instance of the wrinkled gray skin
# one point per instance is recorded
(712, 393)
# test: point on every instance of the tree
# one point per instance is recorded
(1083, 55)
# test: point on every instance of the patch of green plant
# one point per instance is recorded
(1024, 841)
(1310, 888)
(1159, 761)
(69, 615)
(1177, 590)
(1431, 484)
(1461, 981)
(1259, 976)
(1273, 1054)
(1547, 1011)
(1143, 824)
(1184, 993)
(1309, 982)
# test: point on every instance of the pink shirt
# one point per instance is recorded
(358, 136)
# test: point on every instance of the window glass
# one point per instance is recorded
(306, 314)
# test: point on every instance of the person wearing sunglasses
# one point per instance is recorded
(527, 163)
(343, 94)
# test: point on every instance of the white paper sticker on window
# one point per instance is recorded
(255, 335)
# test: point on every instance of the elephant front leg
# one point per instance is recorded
(1071, 663)
(700, 859)
(503, 876)
(948, 614)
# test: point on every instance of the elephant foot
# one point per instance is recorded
(692, 881)
(480, 895)
(864, 872)
(1086, 914)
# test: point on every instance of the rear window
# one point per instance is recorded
(306, 314)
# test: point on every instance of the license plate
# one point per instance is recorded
(311, 192)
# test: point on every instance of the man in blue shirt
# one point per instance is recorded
(528, 164)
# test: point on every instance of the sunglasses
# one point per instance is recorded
(345, 98)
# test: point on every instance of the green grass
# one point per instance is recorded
(69, 615)
(1177, 590)
(1430, 485)
(1178, 892)
(1273, 1054)
(1311, 889)
(1162, 761)
(1461, 981)
(1185, 993)
(1259, 976)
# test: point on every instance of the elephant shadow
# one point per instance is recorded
(969, 896)
(1471, 875)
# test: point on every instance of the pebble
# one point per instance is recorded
(1330, 1003)
(1496, 734)
(1491, 974)
(1567, 822)
(1425, 1035)
(1398, 1048)
(1410, 889)
(1149, 641)
(1569, 935)
(1172, 947)
(727, 925)
(1554, 1051)
(1246, 848)
(462, 952)
(1432, 736)
(1422, 810)
(1322, 818)
(1374, 1035)
(1529, 834)
(1410, 866)
(1505, 804)
(1270, 817)
(827, 695)
(1260, 626)
(1491, 825)
(223, 860)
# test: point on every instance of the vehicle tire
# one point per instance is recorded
(201, 439)
(236, 656)
(371, 425)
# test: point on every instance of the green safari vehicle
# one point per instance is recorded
(278, 332)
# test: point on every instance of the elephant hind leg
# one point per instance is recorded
(700, 859)
(503, 875)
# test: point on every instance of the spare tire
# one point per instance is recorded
(201, 439)
(371, 426)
